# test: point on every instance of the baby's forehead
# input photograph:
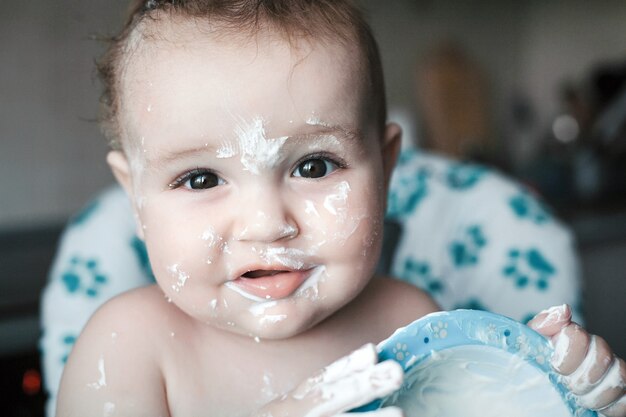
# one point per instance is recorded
(175, 61)
(172, 31)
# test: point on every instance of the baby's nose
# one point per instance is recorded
(264, 220)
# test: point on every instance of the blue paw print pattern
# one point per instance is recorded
(413, 345)
(465, 252)
(525, 206)
(419, 273)
(464, 176)
(406, 193)
(528, 267)
(67, 342)
(139, 247)
(83, 277)
(406, 156)
(85, 213)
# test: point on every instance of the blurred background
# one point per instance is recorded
(534, 88)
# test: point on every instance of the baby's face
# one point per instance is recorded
(257, 178)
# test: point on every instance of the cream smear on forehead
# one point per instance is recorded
(314, 120)
(256, 151)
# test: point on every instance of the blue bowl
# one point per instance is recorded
(447, 349)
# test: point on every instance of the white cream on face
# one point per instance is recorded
(267, 388)
(310, 209)
(180, 276)
(108, 409)
(289, 257)
(192, 115)
(269, 319)
(256, 151)
(336, 203)
(310, 288)
(314, 120)
(243, 293)
(210, 236)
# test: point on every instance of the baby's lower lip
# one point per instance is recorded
(273, 287)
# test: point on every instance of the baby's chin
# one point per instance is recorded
(275, 325)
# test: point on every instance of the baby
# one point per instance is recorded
(251, 138)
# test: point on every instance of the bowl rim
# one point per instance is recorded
(444, 330)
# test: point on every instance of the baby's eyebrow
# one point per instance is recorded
(340, 132)
(327, 130)
(170, 156)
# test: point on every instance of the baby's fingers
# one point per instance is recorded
(609, 390)
(594, 366)
(570, 348)
(549, 322)
(617, 409)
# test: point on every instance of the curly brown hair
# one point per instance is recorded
(323, 20)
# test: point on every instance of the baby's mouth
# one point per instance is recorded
(261, 273)
(271, 284)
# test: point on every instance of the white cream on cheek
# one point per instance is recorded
(335, 203)
(179, 275)
(108, 409)
(310, 209)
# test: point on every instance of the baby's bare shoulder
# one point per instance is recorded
(402, 298)
(116, 356)
(387, 304)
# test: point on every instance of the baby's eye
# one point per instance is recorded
(315, 168)
(198, 180)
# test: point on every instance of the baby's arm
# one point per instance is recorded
(589, 367)
(348, 383)
(112, 370)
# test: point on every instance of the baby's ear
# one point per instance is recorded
(390, 149)
(121, 170)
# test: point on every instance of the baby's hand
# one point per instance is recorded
(590, 369)
(350, 382)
